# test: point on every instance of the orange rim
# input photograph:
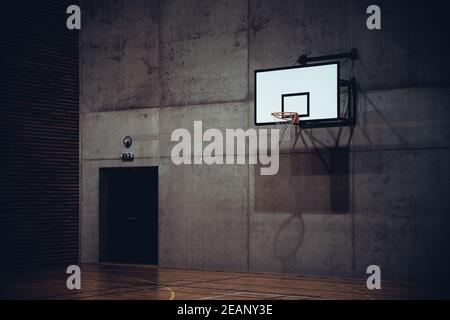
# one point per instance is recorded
(284, 115)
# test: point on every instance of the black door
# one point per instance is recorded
(129, 215)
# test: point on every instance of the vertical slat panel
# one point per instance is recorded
(39, 114)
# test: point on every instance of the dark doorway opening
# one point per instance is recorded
(129, 215)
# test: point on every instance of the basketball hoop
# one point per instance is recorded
(285, 121)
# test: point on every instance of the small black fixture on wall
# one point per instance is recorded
(127, 156)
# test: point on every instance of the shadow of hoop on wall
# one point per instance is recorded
(310, 181)
(288, 241)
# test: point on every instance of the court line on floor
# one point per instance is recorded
(236, 294)
(222, 295)
(252, 292)
(172, 293)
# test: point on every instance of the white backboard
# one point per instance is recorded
(312, 91)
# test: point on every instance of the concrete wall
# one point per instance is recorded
(343, 199)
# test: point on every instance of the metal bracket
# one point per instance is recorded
(350, 117)
(352, 55)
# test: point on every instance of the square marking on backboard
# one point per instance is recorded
(296, 102)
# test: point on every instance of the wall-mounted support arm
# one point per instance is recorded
(304, 59)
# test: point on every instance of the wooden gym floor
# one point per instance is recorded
(113, 281)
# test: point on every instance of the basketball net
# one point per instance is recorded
(285, 122)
